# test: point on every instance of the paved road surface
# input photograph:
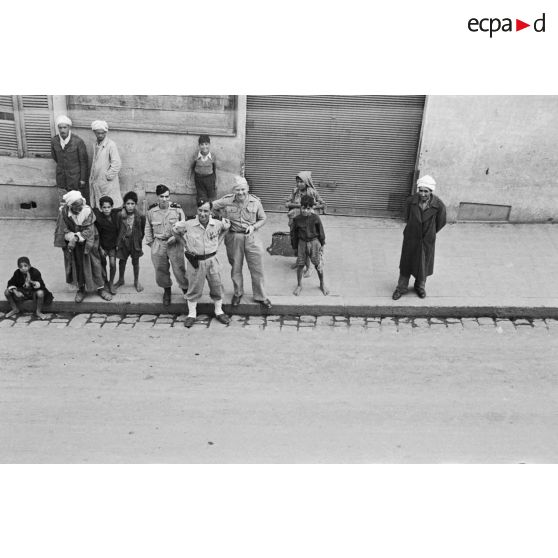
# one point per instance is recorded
(440, 392)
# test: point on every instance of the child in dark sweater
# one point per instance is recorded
(308, 240)
(27, 284)
(107, 221)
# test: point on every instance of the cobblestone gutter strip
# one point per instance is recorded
(313, 308)
(274, 322)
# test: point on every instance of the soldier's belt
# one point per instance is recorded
(194, 258)
(164, 239)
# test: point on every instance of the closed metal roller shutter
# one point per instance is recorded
(361, 149)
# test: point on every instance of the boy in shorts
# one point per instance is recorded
(204, 170)
(107, 221)
(130, 238)
(308, 240)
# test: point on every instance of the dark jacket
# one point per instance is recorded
(71, 162)
(138, 231)
(18, 280)
(419, 236)
(108, 228)
(307, 228)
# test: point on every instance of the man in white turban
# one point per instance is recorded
(77, 235)
(70, 154)
(425, 215)
(246, 214)
(103, 179)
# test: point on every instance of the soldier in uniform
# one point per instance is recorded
(201, 237)
(246, 215)
(161, 217)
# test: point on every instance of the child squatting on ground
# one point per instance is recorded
(130, 238)
(27, 284)
(308, 239)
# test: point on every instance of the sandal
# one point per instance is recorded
(104, 294)
(80, 295)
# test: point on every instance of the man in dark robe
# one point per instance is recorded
(425, 214)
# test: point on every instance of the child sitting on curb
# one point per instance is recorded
(27, 284)
(308, 240)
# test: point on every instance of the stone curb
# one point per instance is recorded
(314, 309)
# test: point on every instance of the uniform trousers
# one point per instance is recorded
(163, 257)
(209, 269)
(240, 246)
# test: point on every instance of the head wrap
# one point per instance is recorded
(306, 177)
(426, 182)
(240, 181)
(99, 125)
(72, 197)
(23, 259)
(63, 120)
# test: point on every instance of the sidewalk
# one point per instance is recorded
(480, 270)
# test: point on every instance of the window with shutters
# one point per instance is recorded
(26, 125)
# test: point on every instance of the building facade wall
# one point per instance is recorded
(148, 159)
(498, 150)
(482, 150)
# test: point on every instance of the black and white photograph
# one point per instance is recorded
(293, 271)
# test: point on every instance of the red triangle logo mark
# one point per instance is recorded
(519, 25)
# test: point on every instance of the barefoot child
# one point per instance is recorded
(308, 239)
(107, 223)
(130, 239)
(27, 284)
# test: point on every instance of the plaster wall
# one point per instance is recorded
(493, 150)
(148, 159)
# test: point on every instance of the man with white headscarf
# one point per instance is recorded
(70, 154)
(425, 215)
(246, 215)
(103, 179)
(77, 235)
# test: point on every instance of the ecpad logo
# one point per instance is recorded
(492, 25)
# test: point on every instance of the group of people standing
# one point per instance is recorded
(96, 226)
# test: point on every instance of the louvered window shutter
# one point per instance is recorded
(37, 124)
(8, 129)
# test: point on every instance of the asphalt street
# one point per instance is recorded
(434, 393)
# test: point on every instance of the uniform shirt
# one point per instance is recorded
(240, 214)
(204, 165)
(200, 240)
(159, 222)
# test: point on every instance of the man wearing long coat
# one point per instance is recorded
(70, 154)
(425, 214)
(105, 166)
